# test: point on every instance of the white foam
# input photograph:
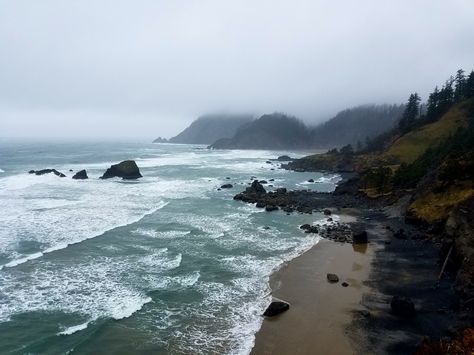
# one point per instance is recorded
(129, 306)
(2, 171)
(22, 260)
(74, 329)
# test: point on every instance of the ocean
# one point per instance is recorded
(166, 264)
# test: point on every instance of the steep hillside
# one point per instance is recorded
(353, 126)
(275, 131)
(410, 146)
(209, 128)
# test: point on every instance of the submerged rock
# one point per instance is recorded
(227, 186)
(333, 278)
(80, 175)
(276, 307)
(127, 169)
(46, 171)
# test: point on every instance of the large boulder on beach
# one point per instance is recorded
(402, 307)
(80, 175)
(127, 169)
(276, 307)
(46, 171)
(332, 278)
(360, 237)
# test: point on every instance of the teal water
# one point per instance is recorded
(166, 264)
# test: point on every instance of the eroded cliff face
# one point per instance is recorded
(459, 229)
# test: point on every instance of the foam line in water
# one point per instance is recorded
(74, 329)
(61, 246)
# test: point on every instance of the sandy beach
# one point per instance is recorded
(320, 312)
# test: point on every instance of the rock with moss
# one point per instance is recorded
(127, 170)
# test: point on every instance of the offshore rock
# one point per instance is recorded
(80, 175)
(127, 170)
(46, 171)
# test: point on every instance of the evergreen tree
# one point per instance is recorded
(433, 105)
(469, 89)
(411, 113)
(460, 86)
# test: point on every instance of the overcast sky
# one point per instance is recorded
(148, 68)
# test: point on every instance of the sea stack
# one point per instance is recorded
(127, 170)
(80, 175)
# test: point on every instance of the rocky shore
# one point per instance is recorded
(409, 296)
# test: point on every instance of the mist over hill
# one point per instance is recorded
(279, 131)
(353, 126)
(209, 128)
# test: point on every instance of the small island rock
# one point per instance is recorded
(80, 175)
(127, 169)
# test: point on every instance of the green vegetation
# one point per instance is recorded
(410, 146)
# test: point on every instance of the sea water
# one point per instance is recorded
(166, 264)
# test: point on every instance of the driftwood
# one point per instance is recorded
(445, 263)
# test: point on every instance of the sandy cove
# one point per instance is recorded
(320, 312)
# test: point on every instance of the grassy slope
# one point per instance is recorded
(412, 145)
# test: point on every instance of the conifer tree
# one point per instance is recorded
(411, 113)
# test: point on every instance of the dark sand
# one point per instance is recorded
(320, 312)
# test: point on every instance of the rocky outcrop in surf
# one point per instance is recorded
(46, 171)
(127, 170)
(80, 175)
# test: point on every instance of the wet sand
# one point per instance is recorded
(320, 312)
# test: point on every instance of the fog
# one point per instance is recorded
(148, 68)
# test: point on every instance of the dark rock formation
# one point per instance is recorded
(46, 171)
(333, 278)
(227, 186)
(160, 140)
(270, 208)
(311, 180)
(127, 169)
(402, 307)
(284, 158)
(359, 237)
(327, 212)
(80, 175)
(276, 307)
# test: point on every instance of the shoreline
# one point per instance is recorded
(320, 312)
(327, 318)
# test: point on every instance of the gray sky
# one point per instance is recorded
(148, 68)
